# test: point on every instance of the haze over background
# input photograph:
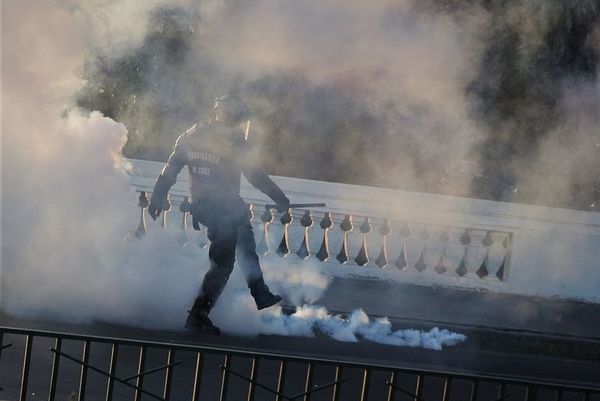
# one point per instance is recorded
(67, 202)
(497, 100)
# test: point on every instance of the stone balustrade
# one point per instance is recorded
(363, 240)
(410, 237)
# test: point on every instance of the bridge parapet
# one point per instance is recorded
(412, 237)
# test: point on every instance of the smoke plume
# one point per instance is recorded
(464, 97)
(67, 203)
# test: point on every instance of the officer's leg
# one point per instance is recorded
(223, 238)
(246, 254)
(250, 266)
(222, 258)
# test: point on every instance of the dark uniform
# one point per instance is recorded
(216, 155)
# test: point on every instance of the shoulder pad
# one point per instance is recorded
(193, 128)
(182, 139)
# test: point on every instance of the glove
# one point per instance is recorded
(283, 204)
(155, 207)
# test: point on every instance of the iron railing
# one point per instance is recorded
(196, 372)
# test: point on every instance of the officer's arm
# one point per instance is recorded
(167, 178)
(261, 180)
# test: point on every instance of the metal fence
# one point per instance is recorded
(124, 369)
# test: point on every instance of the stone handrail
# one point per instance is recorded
(338, 239)
(412, 237)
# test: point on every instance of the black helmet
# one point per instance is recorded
(231, 108)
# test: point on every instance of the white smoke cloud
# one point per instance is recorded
(569, 153)
(417, 65)
(113, 27)
(311, 320)
(67, 204)
(64, 185)
(410, 66)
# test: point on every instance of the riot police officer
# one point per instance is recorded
(216, 154)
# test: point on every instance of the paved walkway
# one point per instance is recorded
(462, 307)
(510, 336)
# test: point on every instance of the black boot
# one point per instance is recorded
(262, 295)
(198, 320)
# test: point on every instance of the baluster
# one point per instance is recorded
(326, 224)
(203, 237)
(251, 213)
(463, 265)
(306, 221)
(166, 208)
(363, 255)
(501, 273)
(420, 266)
(184, 208)
(251, 216)
(264, 247)
(284, 246)
(442, 266)
(143, 204)
(402, 260)
(384, 231)
(346, 227)
(487, 243)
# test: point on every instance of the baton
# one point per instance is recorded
(295, 205)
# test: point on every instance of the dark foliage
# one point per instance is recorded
(327, 133)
